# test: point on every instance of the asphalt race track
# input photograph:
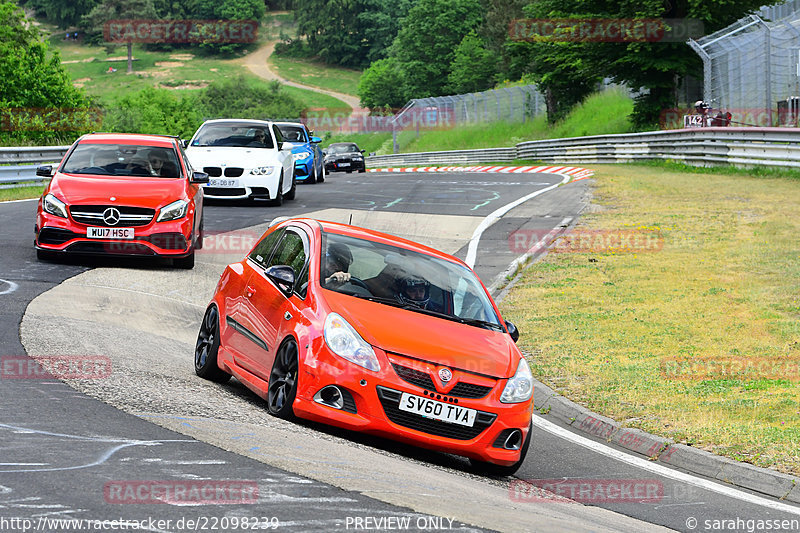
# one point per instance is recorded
(151, 418)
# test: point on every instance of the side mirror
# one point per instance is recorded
(513, 331)
(283, 277)
(316, 140)
(362, 151)
(324, 152)
(280, 145)
(199, 177)
(184, 143)
(371, 154)
(45, 171)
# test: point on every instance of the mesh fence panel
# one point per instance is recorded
(752, 64)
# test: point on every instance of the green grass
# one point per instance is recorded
(21, 193)
(316, 74)
(601, 325)
(601, 113)
(369, 142)
(314, 100)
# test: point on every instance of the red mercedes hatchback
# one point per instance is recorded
(122, 194)
(373, 333)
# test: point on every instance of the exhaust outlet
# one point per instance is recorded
(330, 396)
(513, 440)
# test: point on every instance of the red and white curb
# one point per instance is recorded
(574, 172)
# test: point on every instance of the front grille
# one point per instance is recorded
(233, 172)
(390, 400)
(224, 191)
(213, 172)
(92, 215)
(56, 236)
(424, 380)
(122, 248)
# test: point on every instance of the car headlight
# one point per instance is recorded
(345, 342)
(173, 211)
(520, 387)
(263, 171)
(358, 158)
(301, 155)
(54, 206)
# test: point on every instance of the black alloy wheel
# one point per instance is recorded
(207, 348)
(283, 381)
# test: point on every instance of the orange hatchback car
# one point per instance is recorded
(122, 194)
(373, 333)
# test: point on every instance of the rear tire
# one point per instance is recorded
(491, 469)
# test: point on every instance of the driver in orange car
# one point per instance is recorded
(337, 263)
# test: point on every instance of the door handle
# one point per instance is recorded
(250, 291)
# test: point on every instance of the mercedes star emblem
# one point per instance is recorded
(111, 216)
(445, 375)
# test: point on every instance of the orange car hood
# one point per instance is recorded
(135, 191)
(437, 340)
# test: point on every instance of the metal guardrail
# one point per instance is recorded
(701, 147)
(13, 172)
(445, 158)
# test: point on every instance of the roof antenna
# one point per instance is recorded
(351, 219)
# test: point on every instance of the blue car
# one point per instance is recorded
(309, 163)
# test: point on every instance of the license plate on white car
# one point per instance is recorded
(344, 164)
(445, 412)
(216, 182)
(109, 233)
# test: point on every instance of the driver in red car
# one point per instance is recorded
(336, 265)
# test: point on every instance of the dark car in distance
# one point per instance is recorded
(344, 156)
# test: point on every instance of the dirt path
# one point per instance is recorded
(257, 63)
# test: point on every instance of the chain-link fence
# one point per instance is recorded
(752, 67)
(509, 104)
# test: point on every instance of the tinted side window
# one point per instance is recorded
(263, 250)
(291, 251)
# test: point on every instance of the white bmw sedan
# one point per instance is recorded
(244, 159)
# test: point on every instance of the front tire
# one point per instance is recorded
(206, 349)
(278, 200)
(491, 469)
(282, 388)
(185, 263)
(321, 178)
(293, 191)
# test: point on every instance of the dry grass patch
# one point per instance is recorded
(725, 287)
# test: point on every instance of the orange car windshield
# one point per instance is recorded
(122, 160)
(396, 276)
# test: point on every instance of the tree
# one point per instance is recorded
(426, 43)
(227, 10)
(655, 67)
(350, 33)
(474, 67)
(35, 89)
(382, 85)
(119, 10)
(65, 13)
